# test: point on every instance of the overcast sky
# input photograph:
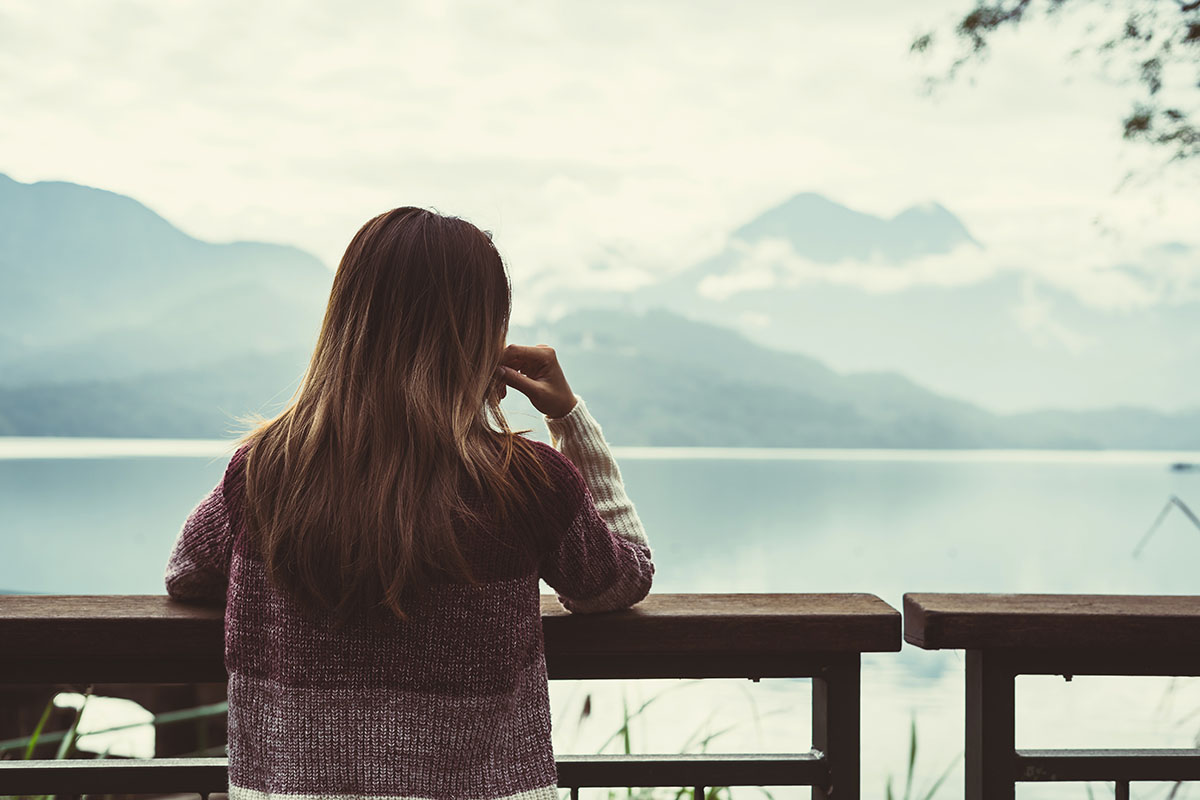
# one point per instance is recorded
(631, 132)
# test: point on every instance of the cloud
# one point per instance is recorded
(773, 262)
(1134, 277)
(1035, 315)
(637, 133)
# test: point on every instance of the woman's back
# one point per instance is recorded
(378, 544)
(449, 702)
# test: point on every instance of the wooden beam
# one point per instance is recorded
(836, 727)
(149, 638)
(708, 769)
(990, 717)
(1062, 622)
(208, 775)
(1108, 765)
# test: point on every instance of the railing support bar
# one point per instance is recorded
(990, 727)
(836, 721)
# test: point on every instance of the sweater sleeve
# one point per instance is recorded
(198, 569)
(603, 561)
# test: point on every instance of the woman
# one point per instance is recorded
(378, 544)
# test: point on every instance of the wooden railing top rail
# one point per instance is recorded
(1052, 621)
(151, 638)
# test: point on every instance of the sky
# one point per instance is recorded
(632, 134)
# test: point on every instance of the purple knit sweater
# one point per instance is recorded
(451, 704)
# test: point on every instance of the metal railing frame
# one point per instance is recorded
(575, 649)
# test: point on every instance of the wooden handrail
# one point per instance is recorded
(1007, 635)
(150, 638)
(131, 639)
(1051, 621)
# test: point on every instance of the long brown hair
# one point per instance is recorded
(353, 490)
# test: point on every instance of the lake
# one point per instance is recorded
(100, 516)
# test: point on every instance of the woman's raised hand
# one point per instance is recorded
(535, 373)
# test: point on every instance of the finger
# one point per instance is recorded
(522, 383)
(526, 368)
(523, 354)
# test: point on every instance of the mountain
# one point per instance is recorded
(96, 285)
(814, 277)
(202, 402)
(827, 232)
(654, 378)
(666, 380)
(140, 330)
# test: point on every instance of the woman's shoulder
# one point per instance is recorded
(235, 470)
(565, 482)
(561, 468)
(233, 483)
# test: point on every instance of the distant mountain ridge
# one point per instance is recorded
(666, 380)
(653, 379)
(827, 232)
(141, 330)
(813, 228)
(1006, 340)
(88, 273)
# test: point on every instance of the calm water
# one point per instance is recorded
(100, 517)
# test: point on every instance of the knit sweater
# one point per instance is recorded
(449, 704)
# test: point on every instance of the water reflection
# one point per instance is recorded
(800, 524)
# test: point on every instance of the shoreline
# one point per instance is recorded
(14, 448)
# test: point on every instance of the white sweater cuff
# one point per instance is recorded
(576, 421)
(578, 436)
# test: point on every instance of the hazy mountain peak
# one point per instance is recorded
(76, 260)
(934, 225)
(811, 201)
(85, 210)
(930, 208)
(826, 231)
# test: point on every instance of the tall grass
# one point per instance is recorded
(933, 788)
(197, 714)
(622, 737)
(702, 736)
(1173, 502)
(65, 743)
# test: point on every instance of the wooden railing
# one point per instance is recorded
(1008, 635)
(150, 639)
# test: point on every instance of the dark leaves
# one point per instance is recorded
(1138, 122)
(982, 20)
(1152, 75)
(1151, 36)
(1166, 128)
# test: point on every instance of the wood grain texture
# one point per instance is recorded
(1161, 623)
(730, 623)
(136, 638)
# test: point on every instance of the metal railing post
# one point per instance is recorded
(836, 720)
(990, 727)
